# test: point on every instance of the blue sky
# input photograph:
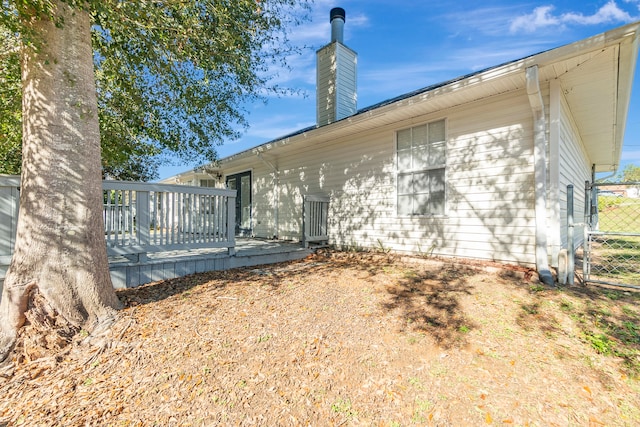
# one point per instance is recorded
(407, 45)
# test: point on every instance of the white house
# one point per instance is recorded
(475, 167)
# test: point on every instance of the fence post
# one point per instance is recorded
(570, 237)
(588, 210)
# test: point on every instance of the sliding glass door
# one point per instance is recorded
(241, 182)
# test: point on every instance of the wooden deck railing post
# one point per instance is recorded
(231, 223)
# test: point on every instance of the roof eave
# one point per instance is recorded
(626, 37)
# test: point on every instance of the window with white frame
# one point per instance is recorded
(421, 169)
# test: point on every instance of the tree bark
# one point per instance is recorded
(60, 246)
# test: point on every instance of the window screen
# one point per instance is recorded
(421, 169)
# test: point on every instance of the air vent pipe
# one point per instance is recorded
(337, 18)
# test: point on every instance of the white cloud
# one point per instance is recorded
(636, 2)
(610, 12)
(543, 16)
(475, 22)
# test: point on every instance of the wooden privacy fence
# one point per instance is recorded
(140, 218)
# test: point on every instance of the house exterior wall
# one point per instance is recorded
(266, 201)
(490, 176)
(575, 168)
(489, 195)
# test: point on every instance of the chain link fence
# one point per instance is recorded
(611, 250)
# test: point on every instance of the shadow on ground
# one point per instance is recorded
(430, 303)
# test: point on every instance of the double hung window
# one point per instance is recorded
(421, 169)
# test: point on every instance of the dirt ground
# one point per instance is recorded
(344, 339)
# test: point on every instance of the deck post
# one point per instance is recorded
(231, 224)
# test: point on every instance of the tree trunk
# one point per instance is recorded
(60, 246)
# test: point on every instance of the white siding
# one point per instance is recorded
(336, 83)
(490, 189)
(575, 168)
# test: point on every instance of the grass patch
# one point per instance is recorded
(343, 406)
(611, 328)
(629, 311)
(537, 288)
(606, 320)
(531, 308)
(619, 214)
(421, 411)
(463, 329)
(600, 342)
(566, 306)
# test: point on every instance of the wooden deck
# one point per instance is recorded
(161, 231)
(167, 265)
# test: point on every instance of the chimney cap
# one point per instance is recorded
(337, 12)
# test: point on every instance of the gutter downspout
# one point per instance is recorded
(276, 195)
(604, 178)
(540, 164)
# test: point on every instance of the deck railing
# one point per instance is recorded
(140, 218)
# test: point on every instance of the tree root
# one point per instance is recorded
(12, 315)
(45, 332)
(7, 344)
(33, 328)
